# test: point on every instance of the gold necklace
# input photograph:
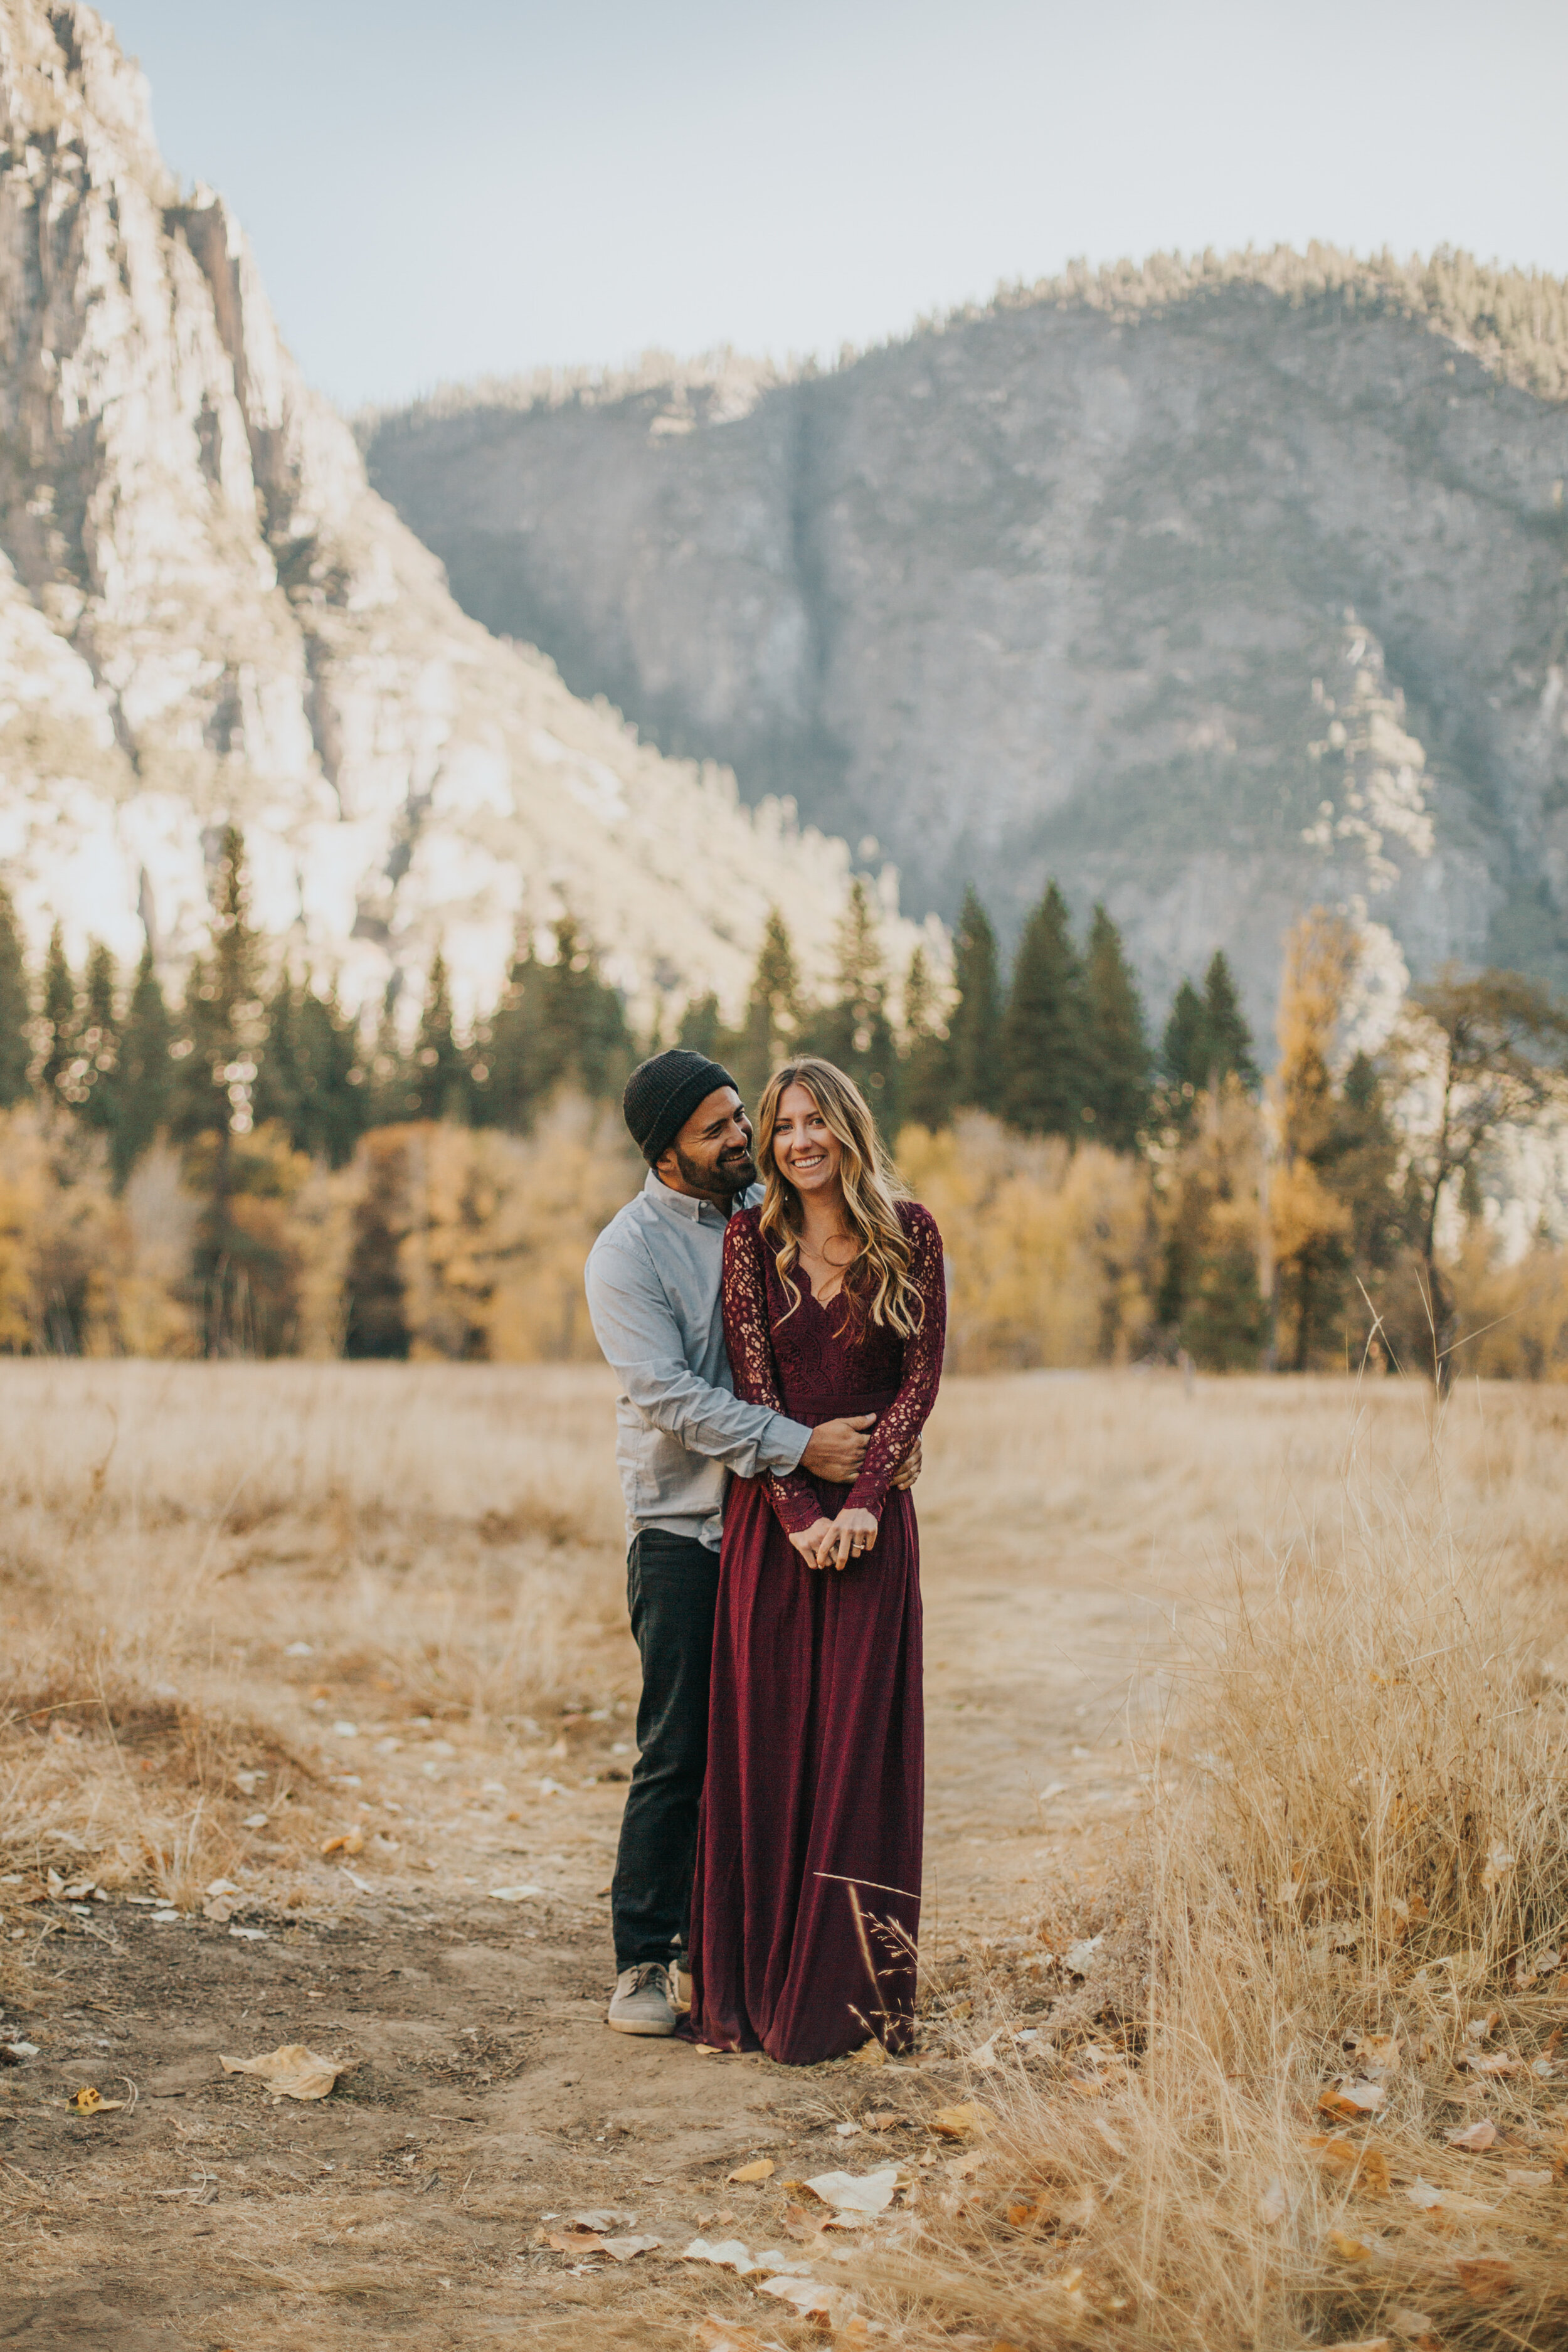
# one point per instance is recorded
(821, 1256)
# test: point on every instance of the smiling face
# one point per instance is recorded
(710, 1158)
(807, 1152)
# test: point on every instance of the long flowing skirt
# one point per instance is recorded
(806, 1902)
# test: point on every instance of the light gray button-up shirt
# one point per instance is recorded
(653, 1280)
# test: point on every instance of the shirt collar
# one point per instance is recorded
(676, 1204)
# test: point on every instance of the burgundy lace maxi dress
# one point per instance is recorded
(807, 1900)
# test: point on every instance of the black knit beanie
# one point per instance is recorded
(662, 1094)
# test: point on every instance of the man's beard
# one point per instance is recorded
(721, 1179)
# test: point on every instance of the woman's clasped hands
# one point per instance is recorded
(834, 1543)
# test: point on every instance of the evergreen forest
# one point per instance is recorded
(343, 1183)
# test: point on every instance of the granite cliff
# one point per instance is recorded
(1213, 589)
(205, 612)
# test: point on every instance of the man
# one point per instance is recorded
(653, 1281)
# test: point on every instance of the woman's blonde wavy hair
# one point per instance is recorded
(876, 1279)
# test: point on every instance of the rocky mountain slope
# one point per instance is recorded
(206, 613)
(1214, 591)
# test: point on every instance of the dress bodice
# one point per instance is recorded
(815, 1362)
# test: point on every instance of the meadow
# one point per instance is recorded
(1246, 1905)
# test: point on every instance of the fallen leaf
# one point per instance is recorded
(626, 2250)
(1334, 2151)
(802, 2294)
(90, 2101)
(849, 2192)
(727, 2254)
(727, 2335)
(960, 2123)
(1431, 2199)
(1498, 2064)
(984, 2054)
(762, 2170)
(1517, 2177)
(1499, 1863)
(1353, 2099)
(1383, 2052)
(886, 2119)
(1412, 2325)
(1273, 2205)
(600, 2220)
(1361, 2344)
(346, 1842)
(514, 1894)
(1372, 2172)
(1080, 1957)
(1486, 2278)
(576, 2243)
(1474, 2137)
(1479, 2028)
(1349, 2249)
(871, 2053)
(291, 2072)
(964, 2167)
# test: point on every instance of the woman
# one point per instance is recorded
(806, 1901)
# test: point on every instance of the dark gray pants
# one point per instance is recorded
(672, 1586)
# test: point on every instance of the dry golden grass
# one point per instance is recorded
(200, 1563)
(1352, 1872)
(1347, 1724)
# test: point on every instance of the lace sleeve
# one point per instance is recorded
(900, 1426)
(744, 1299)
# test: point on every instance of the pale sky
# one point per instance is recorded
(438, 191)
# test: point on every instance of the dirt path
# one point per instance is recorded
(487, 2102)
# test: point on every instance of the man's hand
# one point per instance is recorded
(837, 1449)
(908, 1469)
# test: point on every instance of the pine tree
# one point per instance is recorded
(440, 1070)
(1183, 1051)
(99, 1041)
(771, 1028)
(1044, 1028)
(16, 1010)
(1227, 1037)
(331, 1117)
(511, 1086)
(583, 1036)
(60, 1019)
(310, 1080)
(1117, 1065)
(974, 1025)
(925, 1082)
(390, 1094)
(144, 1080)
(854, 1030)
(224, 1018)
(276, 1093)
(701, 1028)
(223, 1014)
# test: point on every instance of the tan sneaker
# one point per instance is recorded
(643, 2002)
